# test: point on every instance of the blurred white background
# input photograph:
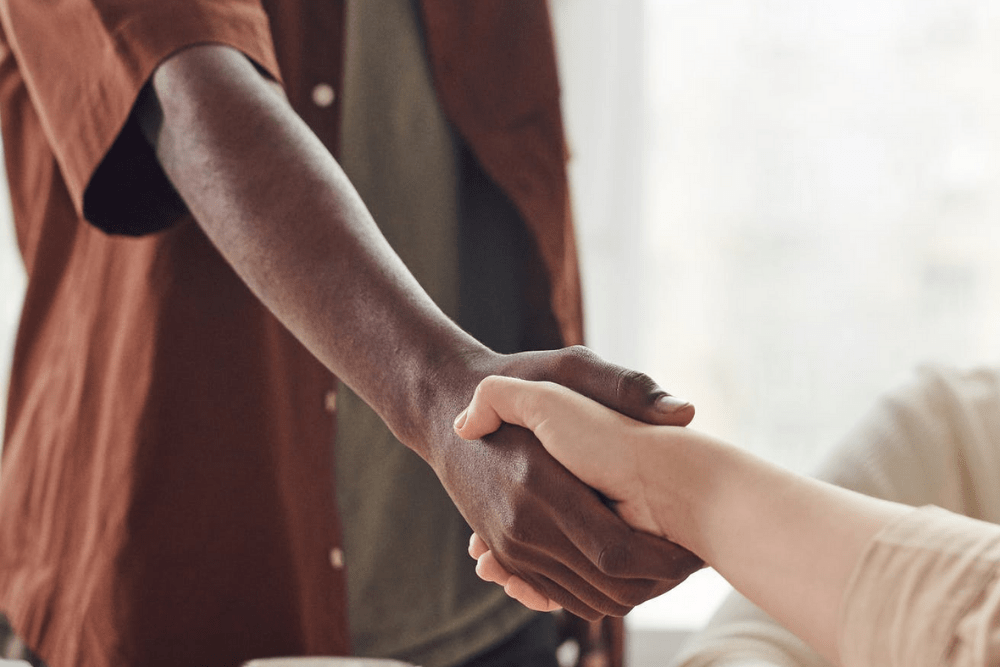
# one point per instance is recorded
(784, 207)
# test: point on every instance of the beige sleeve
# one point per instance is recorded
(925, 593)
(933, 442)
(742, 635)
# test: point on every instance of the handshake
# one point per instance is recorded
(661, 500)
(568, 537)
(615, 455)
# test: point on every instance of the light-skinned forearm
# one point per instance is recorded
(787, 542)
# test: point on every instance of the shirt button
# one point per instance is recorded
(330, 401)
(323, 95)
(337, 558)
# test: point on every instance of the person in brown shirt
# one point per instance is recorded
(197, 266)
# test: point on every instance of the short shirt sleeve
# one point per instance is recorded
(926, 593)
(84, 63)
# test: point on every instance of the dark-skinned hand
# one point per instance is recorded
(540, 521)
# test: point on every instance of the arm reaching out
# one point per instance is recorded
(279, 209)
(778, 537)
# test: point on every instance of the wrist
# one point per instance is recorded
(685, 503)
(442, 384)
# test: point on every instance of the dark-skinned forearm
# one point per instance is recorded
(280, 210)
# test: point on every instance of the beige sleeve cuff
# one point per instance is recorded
(925, 592)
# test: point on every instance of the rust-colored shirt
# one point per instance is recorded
(165, 494)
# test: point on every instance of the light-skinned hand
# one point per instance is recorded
(598, 445)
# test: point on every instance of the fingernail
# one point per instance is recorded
(669, 404)
(460, 419)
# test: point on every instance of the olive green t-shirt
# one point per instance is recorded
(413, 592)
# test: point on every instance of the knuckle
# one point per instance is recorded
(634, 382)
(517, 533)
(489, 382)
(521, 473)
(580, 352)
(509, 545)
(486, 386)
(574, 358)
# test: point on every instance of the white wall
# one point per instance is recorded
(784, 205)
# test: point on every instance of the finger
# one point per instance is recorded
(578, 586)
(593, 561)
(643, 556)
(489, 569)
(497, 400)
(633, 394)
(584, 606)
(477, 547)
(619, 552)
(479, 418)
(521, 591)
(573, 428)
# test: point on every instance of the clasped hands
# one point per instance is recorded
(779, 538)
(601, 447)
(554, 540)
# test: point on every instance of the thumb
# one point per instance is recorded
(498, 400)
(575, 430)
(629, 392)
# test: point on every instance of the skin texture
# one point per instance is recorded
(787, 542)
(281, 212)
